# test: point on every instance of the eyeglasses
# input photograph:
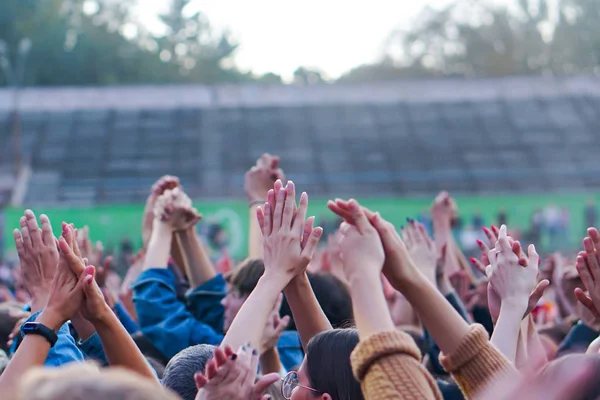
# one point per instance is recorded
(290, 382)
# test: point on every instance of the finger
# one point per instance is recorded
(219, 357)
(584, 273)
(592, 259)
(492, 238)
(586, 301)
(288, 207)
(278, 213)
(503, 240)
(200, 380)
(263, 383)
(271, 198)
(19, 243)
(299, 221)
(211, 369)
(268, 219)
(483, 247)
(228, 351)
(308, 228)
(277, 304)
(360, 219)
(47, 234)
(536, 295)
(495, 230)
(264, 161)
(533, 257)
(90, 287)
(339, 211)
(478, 264)
(25, 233)
(283, 323)
(260, 217)
(107, 263)
(75, 264)
(595, 236)
(425, 236)
(313, 241)
(34, 229)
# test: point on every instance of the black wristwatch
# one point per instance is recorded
(35, 328)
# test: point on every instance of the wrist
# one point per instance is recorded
(161, 228)
(51, 319)
(276, 281)
(297, 282)
(39, 299)
(103, 318)
(514, 304)
(408, 279)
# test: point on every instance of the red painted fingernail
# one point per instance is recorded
(472, 260)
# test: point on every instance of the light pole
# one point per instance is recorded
(15, 78)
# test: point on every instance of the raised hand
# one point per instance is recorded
(92, 304)
(232, 376)
(444, 208)
(421, 248)
(588, 267)
(513, 276)
(38, 256)
(164, 183)
(360, 247)
(260, 178)
(174, 207)
(274, 328)
(288, 244)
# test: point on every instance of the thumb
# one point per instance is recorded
(263, 384)
(89, 275)
(200, 380)
(283, 323)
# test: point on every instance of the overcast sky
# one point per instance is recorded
(280, 35)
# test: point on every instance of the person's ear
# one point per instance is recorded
(325, 396)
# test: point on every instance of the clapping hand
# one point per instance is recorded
(421, 248)
(289, 238)
(260, 178)
(588, 267)
(38, 256)
(165, 183)
(174, 208)
(232, 376)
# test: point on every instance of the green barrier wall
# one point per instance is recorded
(112, 223)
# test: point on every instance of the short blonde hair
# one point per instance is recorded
(88, 382)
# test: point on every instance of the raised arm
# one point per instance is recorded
(284, 256)
(257, 182)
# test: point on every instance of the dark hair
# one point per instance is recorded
(245, 277)
(7, 322)
(328, 364)
(333, 297)
(158, 367)
(180, 371)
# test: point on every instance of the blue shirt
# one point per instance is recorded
(171, 326)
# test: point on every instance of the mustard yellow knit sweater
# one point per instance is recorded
(388, 366)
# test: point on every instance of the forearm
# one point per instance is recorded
(255, 238)
(250, 321)
(269, 362)
(119, 347)
(371, 313)
(506, 331)
(535, 348)
(31, 353)
(198, 266)
(308, 315)
(442, 232)
(159, 247)
(83, 327)
(444, 324)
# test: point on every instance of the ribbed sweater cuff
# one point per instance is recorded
(380, 345)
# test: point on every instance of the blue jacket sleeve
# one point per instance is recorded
(130, 325)
(65, 350)
(290, 350)
(204, 302)
(163, 319)
(577, 341)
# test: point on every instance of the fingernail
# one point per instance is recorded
(472, 260)
(233, 357)
(318, 232)
(479, 242)
(254, 352)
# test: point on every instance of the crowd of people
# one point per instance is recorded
(372, 311)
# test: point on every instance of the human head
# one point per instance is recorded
(241, 283)
(179, 373)
(326, 367)
(88, 382)
(9, 316)
(333, 297)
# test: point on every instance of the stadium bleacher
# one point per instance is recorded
(107, 145)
